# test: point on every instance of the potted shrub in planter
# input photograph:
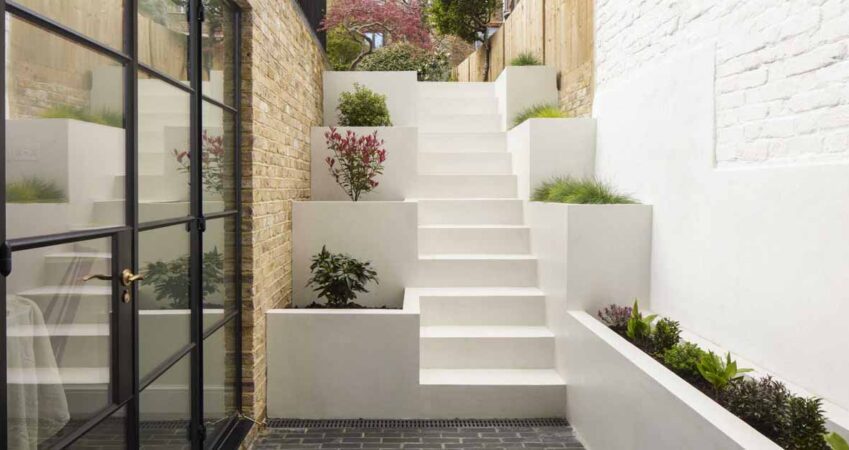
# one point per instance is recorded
(338, 278)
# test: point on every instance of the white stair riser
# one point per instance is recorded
(470, 212)
(487, 353)
(460, 124)
(474, 240)
(434, 106)
(477, 163)
(474, 273)
(69, 271)
(491, 402)
(170, 187)
(76, 351)
(74, 309)
(456, 90)
(472, 186)
(462, 142)
(483, 311)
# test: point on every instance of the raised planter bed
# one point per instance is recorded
(520, 87)
(400, 89)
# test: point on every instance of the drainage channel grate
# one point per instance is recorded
(417, 423)
(164, 424)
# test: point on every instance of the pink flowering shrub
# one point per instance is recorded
(356, 161)
(212, 162)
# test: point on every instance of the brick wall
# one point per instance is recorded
(281, 99)
(782, 69)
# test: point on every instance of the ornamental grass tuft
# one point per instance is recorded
(544, 111)
(579, 191)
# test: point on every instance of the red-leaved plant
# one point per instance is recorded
(356, 161)
(212, 162)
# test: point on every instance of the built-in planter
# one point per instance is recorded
(520, 87)
(400, 89)
(620, 397)
(398, 181)
(546, 148)
(384, 233)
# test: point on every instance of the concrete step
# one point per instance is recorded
(67, 268)
(171, 187)
(77, 304)
(460, 123)
(471, 211)
(467, 186)
(482, 306)
(480, 239)
(462, 142)
(74, 345)
(456, 90)
(86, 389)
(434, 106)
(458, 270)
(486, 347)
(479, 163)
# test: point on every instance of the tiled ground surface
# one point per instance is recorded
(494, 437)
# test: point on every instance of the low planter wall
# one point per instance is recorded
(621, 398)
(546, 148)
(325, 364)
(399, 88)
(520, 87)
(398, 181)
(385, 233)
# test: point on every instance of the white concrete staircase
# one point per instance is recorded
(485, 350)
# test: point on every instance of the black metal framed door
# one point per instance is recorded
(120, 225)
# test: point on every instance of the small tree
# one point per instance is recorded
(356, 161)
(339, 278)
(395, 20)
(466, 19)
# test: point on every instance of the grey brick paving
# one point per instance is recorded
(501, 438)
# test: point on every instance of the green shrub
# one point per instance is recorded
(718, 372)
(683, 359)
(430, 66)
(105, 117)
(836, 442)
(170, 280)
(805, 428)
(666, 334)
(578, 190)
(639, 328)
(342, 48)
(34, 190)
(539, 112)
(525, 59)
(338, 278)
(363, 108)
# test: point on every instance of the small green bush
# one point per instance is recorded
(109, 118)
(338, 278)
(580, 191)
(718, 372)
(666, 334)
(34, 190)
(430, 66)
(363, 108)
(539, 112)
(342, 48)
(683, 359)
(836, 442)
(525, 59)
(639, 328)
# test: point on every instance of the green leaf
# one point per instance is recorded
(836, 442)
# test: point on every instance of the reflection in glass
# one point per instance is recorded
(65, 147)
(165, 409)
(218, 165)
(164, 160)
(100, 20)
(108, 435)
(163, 299)
(218, 50)
(58, 340)
(219, 268)
(163, 41)
(220, 377)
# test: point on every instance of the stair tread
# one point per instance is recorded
(80, 255)
(491, 377)
(474, 227)
(65, 376)
(68, 290)
(477, 291)
(62, 329)
(476, 257)
(478, 331)
(467, 199)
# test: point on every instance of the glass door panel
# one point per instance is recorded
(163, 41)
(218, 161)
(219, 68)
(111, 434)
(220, 378)
(165, 408)
(101, 20)
(219, 270)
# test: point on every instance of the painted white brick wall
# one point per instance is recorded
(782, 69)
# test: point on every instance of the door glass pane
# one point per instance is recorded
(65, 142)
(219, 377)
(111, 434)
(165, 409)
(58, 340)
(219, 270)
(164, 314)
(219, 180)
(218, 50)
(163, 41)
(164, 160)
(101, 20)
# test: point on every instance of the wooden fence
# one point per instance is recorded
(559, 33)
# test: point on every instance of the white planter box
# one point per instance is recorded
(621, 398)
(400, 89)
(520, 87)
(398, 181)
(543, 149)
(385, 233)
(343, 363)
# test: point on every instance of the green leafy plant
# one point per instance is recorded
(401, 56)
(525, 59)
(105, 117)
(579, 191)
(666, 334)
(170, 280)
(543, 111)
(338, 277)
(343, 48)
(467, 19)
(363, 108)
(760, 403)
(836, 442)
(683, 359)
(34, 190)
(805, 428)
(639, 328)
(718, 372)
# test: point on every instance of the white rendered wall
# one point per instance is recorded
(398, 181)
(385, 233)
(400, 89)
(521, 87)
(748, 255)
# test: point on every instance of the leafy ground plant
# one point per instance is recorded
(525, 59)
(579, 191)
(338, 278)
(836, 442)
(170, 280)
(718, 372)
(616, 317)
(363, 108)
(683, 359)
(429, 65)
(34, 190)
(109, 118)
(543, 111)
(666, 334)
(639, 329)
(356, 161)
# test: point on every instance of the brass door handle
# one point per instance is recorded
(98, 276)
(128, 277)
